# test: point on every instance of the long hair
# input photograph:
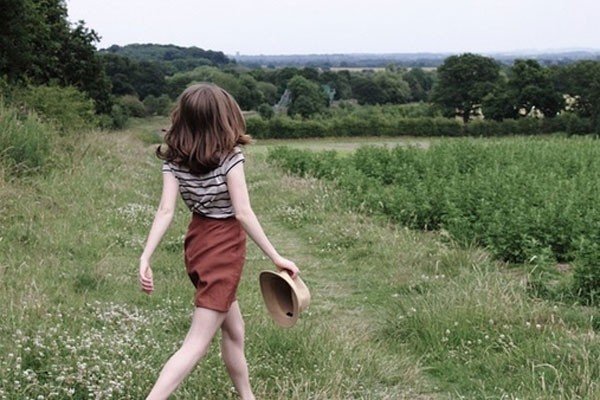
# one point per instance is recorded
(206, 124)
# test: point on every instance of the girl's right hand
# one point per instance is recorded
(284, 264)
(146, 276)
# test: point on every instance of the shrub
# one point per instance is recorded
(25, 141)
(132, 106)
(266, 111)
(160, 105)
(587, 271)
(524, 199)
(67, 108)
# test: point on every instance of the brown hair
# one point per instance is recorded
(206, 124)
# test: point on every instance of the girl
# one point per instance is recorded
(203, 161)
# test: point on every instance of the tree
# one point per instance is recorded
(419, 82)
(395, 89)
(531, 86)
(463, 82)
(39, 45)
(307, 97)
(16, 50)
(340, 81)
(499, 103)
(582, 80)
(365, 90)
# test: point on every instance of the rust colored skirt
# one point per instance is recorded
(214, 253)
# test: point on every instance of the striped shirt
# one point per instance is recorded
(207, 194)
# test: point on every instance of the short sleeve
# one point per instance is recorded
(233, 159)
(166, 167)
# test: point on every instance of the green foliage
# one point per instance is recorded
(116, 119)
(587, 268)
(243, 87)
(39, 45)
(25, 141)
(522, 198)
(530, 86)
(398, 121)
(171, 58)
(69, 109)
(582, 81)
(420, 83)
(308, 98)
(266, 111)
(128, 76)
(158, 105)
(463, 83)
(132, 106)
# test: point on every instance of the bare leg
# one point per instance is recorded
(232, 351)
(205, 323)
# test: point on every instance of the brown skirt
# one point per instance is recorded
(214, 252)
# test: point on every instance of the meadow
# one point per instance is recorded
(396, 313)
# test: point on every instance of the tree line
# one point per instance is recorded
(39, 46)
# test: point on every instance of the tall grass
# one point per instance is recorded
(25, 142)
(74, 324)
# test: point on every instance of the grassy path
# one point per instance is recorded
(75, 325)
(74, 322)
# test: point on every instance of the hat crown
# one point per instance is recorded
(284, 297)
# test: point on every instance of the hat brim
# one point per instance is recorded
(284, 297)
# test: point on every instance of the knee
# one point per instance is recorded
(234, 333)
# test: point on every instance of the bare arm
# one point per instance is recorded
(162, 220)
(238, 191)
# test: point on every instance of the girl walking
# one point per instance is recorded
(203, 161)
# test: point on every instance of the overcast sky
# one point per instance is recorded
(345, 26)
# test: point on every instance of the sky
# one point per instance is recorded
(253, 27)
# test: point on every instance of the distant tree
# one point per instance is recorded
(463, 82)
(120, 71)
(499, 103)
(419, 82)
(531, 86)
(312, 74)
(395, 89)
(380, 88)
(308, 97)
(340, 81)
(365, 90)
(581, 79)
(269, 91)
(266, 111)
(160, 105)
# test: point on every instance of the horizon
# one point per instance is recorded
(294, 27)
(531, 51)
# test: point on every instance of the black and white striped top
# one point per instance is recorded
(207, 194)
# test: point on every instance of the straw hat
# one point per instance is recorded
(284, 297)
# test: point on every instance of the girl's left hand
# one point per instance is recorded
(287, 265)
(146, 276)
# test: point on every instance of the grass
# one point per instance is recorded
(74, 322)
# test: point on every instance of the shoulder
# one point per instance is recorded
(166, 166)
(235, 156)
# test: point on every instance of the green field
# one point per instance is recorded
(395, 313)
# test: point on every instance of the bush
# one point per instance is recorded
(266, 111)
(132, 106)
(587, 271)
(160, 105)
(117, 118)
(390, 121)
(25, 141)
(67, 108)
(524, 199)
